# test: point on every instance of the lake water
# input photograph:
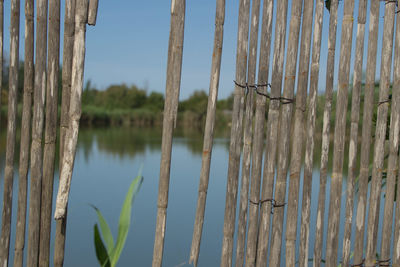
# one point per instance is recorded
(106, 162)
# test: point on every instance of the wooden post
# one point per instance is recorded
(396, 106)
(393, 165)
(272, 133)
(69, 33)
(247, 135)
(366, 131)
(340, 132)
(330, 69)
(301, 104)
(11, 129)
(37, 130)
(78, 66)
(283, 149)
(355, 118)
(258, 143)
(92, 15)
(50, 134)
(1, 47)
(25, 134)
(209, 130)
(174, 67)
(380, 133)
(236, 135)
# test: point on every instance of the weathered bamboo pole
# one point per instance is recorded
(272, 133)
(11, 129)
(302, 87)
(380, 133)
(1, 47)
(50, 134)
(236, 135)
(355, 118)
(340, 133)
(396, 91)
(69, 33)
(92, 15)
(366, 131)
(393, 165)
(330, 70)
(37, 130)
(258, 138)
(25, 134)
(209, 130)
(174, 67)
(247, 135)
(283, 149)
(78, 65)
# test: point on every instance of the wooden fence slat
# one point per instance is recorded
(366, 131)
(283, 152)
(340, 134)
(25, 134)
(326, 128)
(302, 83)
(11, 134)
(247, 135)
(380, 133)
(69, 34)
(50, 134)
(174, 67)
(258, 139)
(208, 131)
(355, 118)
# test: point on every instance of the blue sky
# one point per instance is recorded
(130, 41)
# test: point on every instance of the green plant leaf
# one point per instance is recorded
(125, 219)
(105, 230)
(101, 252)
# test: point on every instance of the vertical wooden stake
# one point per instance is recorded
(25, 134)
(11, 129)
(174, 67)
(92, 15)
(1, 48)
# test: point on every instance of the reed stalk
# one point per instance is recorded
(258, 138)
(366, 131)
(380, 134)
(50, 134)
(208, 131)
(272, 134)
(247, 135)
(25, 134)
(11, 132)
(355, 118)
(174, 67)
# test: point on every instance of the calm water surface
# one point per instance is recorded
(106, 162)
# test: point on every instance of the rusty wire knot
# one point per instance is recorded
(274, 203)
(384, 262)
(255, 87)
(359, 264)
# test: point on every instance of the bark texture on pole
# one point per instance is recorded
(208, 131)
(69, 33)
(330, 69)
(366, 131)
(50, 134)
(272, 133)
(11, 130)
(355, 118)
(92, 15)
(301, 108)
(25, 134)
(258, 138)
(380, 134)
(236, 135)
(78, 66)
(174, 67)
(37, 131)
(247, 135)
(340, 134)
(283, 149)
